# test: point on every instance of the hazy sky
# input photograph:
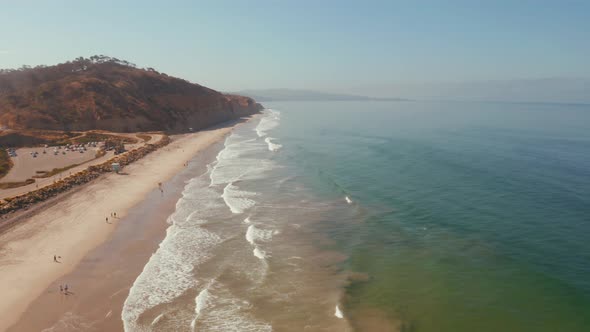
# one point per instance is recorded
(369, 47)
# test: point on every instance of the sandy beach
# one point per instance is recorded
(75, 225)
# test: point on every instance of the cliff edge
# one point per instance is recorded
(111, 94)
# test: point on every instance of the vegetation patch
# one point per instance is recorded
(10, 185)
(99, 137)
(5, 163)
(145, 138)
(100, 153)
(16, 140)
(32, 138)
(47, 174)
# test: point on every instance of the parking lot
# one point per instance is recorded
(28, 161)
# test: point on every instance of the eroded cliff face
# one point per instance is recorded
(110, 95)
(232, 107)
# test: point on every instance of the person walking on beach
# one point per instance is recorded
(61, 289)
(107, 220)
(55, 258)
(66, 289)
(115, 214)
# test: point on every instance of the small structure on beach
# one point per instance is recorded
(116, 167)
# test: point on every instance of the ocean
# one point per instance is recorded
(381, 216)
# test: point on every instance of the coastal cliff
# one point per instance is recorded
(110, 94)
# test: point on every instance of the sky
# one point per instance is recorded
(378, 48)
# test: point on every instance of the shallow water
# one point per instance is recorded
(385, 216)
(240, 254)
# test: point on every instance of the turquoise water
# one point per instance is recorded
(468, 216)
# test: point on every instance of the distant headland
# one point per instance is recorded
(307, 95)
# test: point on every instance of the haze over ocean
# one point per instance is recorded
(503, 49)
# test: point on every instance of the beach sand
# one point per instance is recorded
(74, 226)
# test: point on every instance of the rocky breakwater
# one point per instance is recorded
(92, 172)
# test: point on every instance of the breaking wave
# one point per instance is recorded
(237, 200)
(203, 275)
(226, 312)
(269, 122)
(338, 313)
(272, 146)
(255, 235)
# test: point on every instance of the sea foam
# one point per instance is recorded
(338, 313)
(268, 122)
(272, 146)
(235, 161)
(228, 313)
(201, 302)
(259, 253)
(237, 200)
(169, 271)
(254, 234)
(235, 164)
(157, 319)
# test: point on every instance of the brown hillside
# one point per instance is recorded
(110, 94)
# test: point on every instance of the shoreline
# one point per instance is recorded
(27, 248)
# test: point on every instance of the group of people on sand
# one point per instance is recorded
(64, 289)
(113, 215)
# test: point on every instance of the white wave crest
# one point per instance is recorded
(237, 200)
(259, 253)
(348, 200)
(235, 161)
(201, 302)
(157, 319)
(268, 122)
(272, 146)
(338, 313)
(228, 313)
(168, 273)
(254, 234)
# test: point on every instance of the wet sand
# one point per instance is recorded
(74, 226)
